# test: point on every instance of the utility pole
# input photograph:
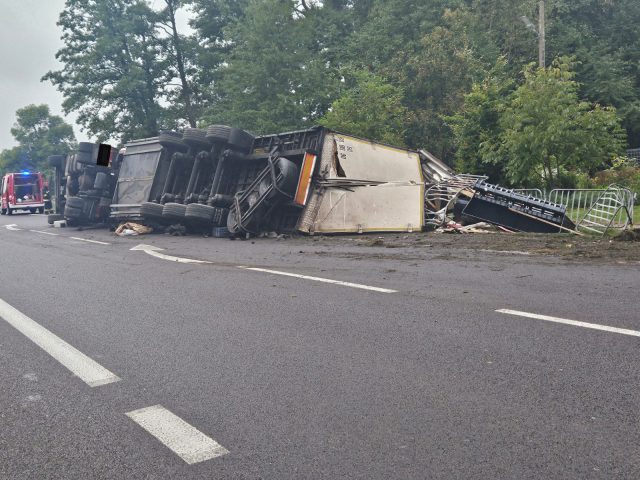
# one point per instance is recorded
(541, 35)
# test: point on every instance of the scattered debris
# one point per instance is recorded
(632, 235)
(132, 229)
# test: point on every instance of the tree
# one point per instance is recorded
(115, 68)
(274, 78)
(371, 108)
(39, 134)
(181, 50)
(476, 126)
(547, 132)
(435, 79)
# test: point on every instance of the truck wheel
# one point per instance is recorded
(151, 210)
(9, 211)
(219, 200)
(101, 182)
(86, 147)
(85, 158)
(174, 211)
(75, 202)
(240, 140)
(85, 182)
(218, 133)
(287, 183)
(70, 212)
(232, 225)
(195, 138)
(197, 211)
(173, 141)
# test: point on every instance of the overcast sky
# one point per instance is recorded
(29, 40)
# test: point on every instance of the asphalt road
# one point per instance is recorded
(290, 377)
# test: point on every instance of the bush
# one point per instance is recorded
(624, 172)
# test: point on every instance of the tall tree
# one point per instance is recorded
(38, 134)
(114, 67)
(212, 22)
(476, 125)
(181, 56)
(274, 79)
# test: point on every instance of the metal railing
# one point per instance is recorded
(580, 200)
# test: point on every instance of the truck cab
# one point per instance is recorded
(22, 191)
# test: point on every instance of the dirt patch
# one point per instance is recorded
(567, 246)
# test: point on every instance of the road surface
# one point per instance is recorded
(160, 357)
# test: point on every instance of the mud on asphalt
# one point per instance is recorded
(568, 247)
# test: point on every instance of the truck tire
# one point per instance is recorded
(75, 202)
(85, 158)
(71, 166)
(196, 139)
(231, 222)
(102, 181)
(85, 182)
(219, 200)
(70, 212)
(56, 161)
(240, 140)
(174, 211)
(287, 183)
(199, 212)
(218, 133)
(172, 141)
(86, 147)
(71, 186)
(151, 210)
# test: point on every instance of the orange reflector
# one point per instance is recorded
(304, 182)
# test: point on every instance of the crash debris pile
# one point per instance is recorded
(224, 181)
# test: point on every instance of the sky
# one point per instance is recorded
(29, 40)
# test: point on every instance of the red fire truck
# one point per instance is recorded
(22, 191)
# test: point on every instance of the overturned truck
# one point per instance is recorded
(311, 181)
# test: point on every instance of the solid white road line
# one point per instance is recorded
(45, 233)
(89, 371)
(575, 323)
(186, 441)
(323, 280)
(90, 241)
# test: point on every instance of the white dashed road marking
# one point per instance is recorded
(186, 441)
(44, 233)
(89, 371)
(575, 323)
(90, 241)
(13, 227)
(323, 280)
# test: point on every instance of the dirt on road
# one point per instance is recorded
(568, 246)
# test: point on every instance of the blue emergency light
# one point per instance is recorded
(25, 173)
